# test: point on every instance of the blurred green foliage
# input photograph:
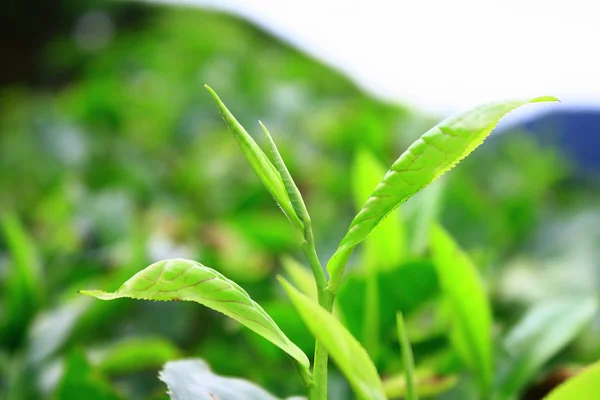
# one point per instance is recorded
(127, 161)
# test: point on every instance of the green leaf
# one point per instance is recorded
(420, 213)
(300, 276)
(382, 251)
(185, 280)
(193, 380)
(135, 354)
(469, 305)
(407, 358)
(583, 386)
(433, 154)
(267, 173)
(288, 182)
(81, 381)
(24, 285)
(351, 358)
(543, 332)
(386, 247)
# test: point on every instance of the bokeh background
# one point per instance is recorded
(113, 156)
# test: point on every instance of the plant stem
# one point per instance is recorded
(318, 389)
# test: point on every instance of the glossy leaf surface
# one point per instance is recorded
(186, 280)
(259, 162)
(433, 154)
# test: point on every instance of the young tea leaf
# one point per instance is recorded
(468, 302)
(543, 332)
(267, 173)
(185, 280)
(386, 247)
(382, 251)
(582, 386)
(350, 357)
(288, 182)
(407, 358)
(433, 154)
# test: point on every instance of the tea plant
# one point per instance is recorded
(432, 155)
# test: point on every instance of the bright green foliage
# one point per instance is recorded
(382, 251)
(385, 248)
(268, 174)
(407, 358)
(81, 381)
(469, 305)
(136, 354)
(25, 282)
(185, 280)
(288, 182)
(584, 386)
(300, 276)
(543, 332)
(436, 152)
(351, 358)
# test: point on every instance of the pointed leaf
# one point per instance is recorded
(288, 182)
(351, 358)
(582, 386)
(260, 163)
(543, 332)
(468, 303)
(186, 280)
(386, 248)
(407, 359)
(433, 154)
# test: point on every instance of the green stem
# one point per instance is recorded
(318, 388)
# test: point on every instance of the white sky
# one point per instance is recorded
(444, 55)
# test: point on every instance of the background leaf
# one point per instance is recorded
(193, 380)
(543, 331)
(351, 358)
(81, 381)
(135, 354)
(407, 359)
(582, 386)
(24, 285)
(185, 280)
(468, 303)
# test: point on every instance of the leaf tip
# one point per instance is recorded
(543, 99)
